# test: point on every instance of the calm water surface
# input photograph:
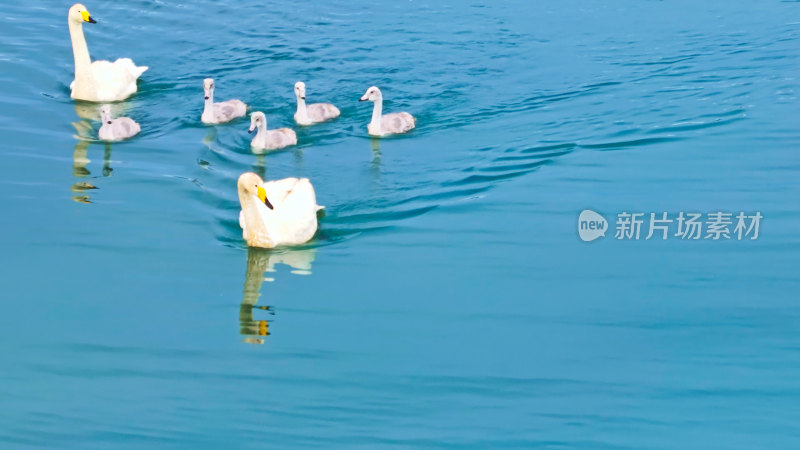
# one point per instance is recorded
(447, 298)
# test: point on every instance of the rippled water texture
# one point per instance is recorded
(447, 298)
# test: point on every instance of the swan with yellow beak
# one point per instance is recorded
(98, 81)
(274, 213)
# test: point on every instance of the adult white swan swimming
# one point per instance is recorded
(382, 125)
(313, 113)
(99, 81)
(281, 212)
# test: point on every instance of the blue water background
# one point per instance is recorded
(447, 298)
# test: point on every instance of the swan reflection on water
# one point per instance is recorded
(86, 134)
(259, 262)
(375, 145)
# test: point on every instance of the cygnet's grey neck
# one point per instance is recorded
(301, 108)
(376, 112)
(261, 134)
(209, 104)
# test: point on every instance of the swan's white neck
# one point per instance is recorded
(302, 112)
(261, 134)
(376, 115)
(255, 217)
(208, 108)
(80, 51)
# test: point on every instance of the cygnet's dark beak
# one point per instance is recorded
(250, 131)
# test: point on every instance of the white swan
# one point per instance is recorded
(221, 112)
(116, 129)
(313, 113)
(269, 139)
(281, 212)
(99, 81)
(394, 123)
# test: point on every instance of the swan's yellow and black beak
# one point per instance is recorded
(262, 195)
(86, 17)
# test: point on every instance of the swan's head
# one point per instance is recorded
(78, 13)
(208, 87)
(300, 90)
(251, 185)
(256, 120)
(105, 114)
(373, 94)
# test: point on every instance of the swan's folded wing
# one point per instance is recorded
(128, 65)
(289, 137)
(322, 111)
(113, 81)
(299, 216)
(278, 190)
(302, 198)
(294, 198)
(106, 72)
(125, 127)
(230, 109)
(398, 122)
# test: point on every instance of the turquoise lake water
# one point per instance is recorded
(447, 298)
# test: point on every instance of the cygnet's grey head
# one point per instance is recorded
(208, 87)
(300, 90)
(256, 119)
(105, 114)
(373, 94)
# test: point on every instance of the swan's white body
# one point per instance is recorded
(281, 212)
(269, 139)
(214, 113)
(313, 113)
(99, 81)
(116, 129)
(386, 124)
